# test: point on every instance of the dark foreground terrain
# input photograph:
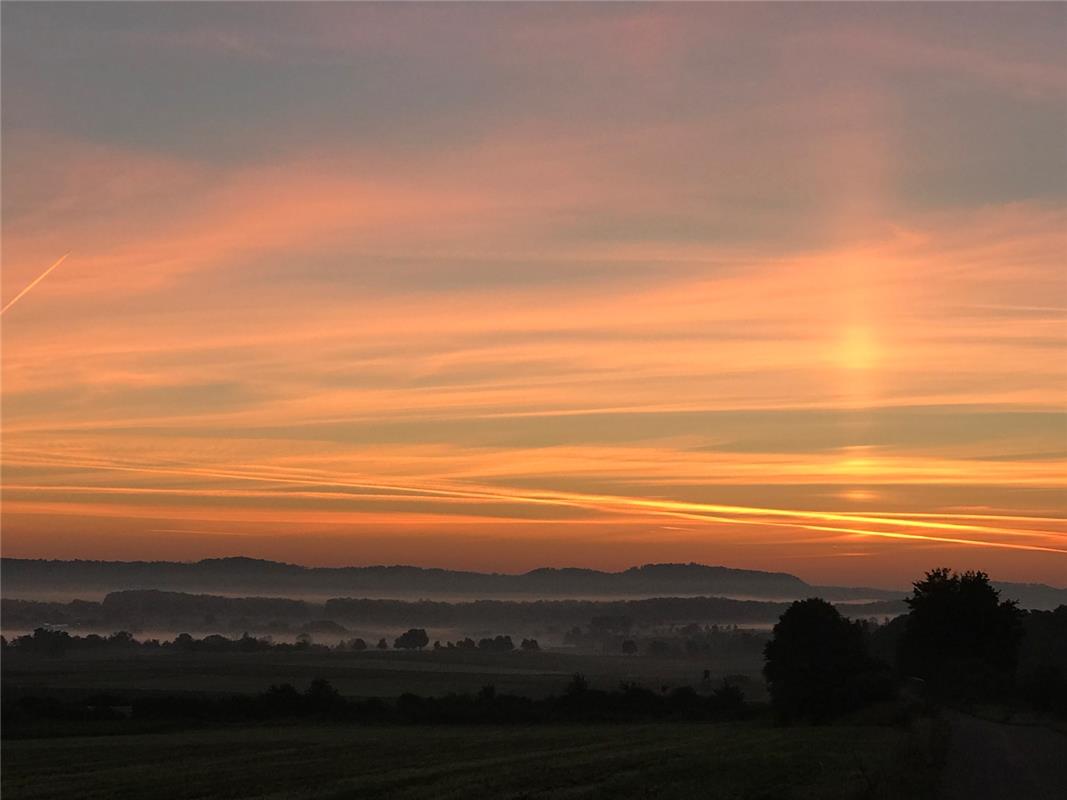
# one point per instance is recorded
(683, 712)
(724, 760)
(367, 674)
(177, 756)
(989, 760)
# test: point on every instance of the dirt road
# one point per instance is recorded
(990, 761)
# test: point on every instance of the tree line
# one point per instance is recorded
(153, 609)
(52, 643)
(320, 700)
(959, 642)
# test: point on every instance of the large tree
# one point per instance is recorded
(414, 639)
(959, 635)
(814, 661)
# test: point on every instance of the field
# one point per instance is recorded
(314, 758)
(367, 674)
(722, 761)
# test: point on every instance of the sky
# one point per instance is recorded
(500, 286)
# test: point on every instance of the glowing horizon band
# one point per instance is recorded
(687, 510)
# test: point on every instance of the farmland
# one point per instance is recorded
(744, 760)
(366, 674)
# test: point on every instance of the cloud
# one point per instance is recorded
(731, 257)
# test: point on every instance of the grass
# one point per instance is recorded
(1007, 713)
(368, 674)
(724, 761)
(736, 761)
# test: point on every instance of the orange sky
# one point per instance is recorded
(504, 286)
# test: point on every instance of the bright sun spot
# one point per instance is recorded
(857, 349)
(859, 495)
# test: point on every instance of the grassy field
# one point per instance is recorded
(721, 761)
(750, 760)
(368, 674)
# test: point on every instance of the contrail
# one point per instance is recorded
(40, 278)
(703, 512)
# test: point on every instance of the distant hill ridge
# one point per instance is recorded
(239, 574)
(246, 574)
(139, 609)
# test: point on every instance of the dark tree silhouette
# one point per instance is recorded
(578, 685)
(53, 644)
(414, 639)
(813, 661)
(121, 638)
(1043, 660)
(530, 645)
(282, 699)
(658, 647)
(497, 644)
(382, 644)
(728, 699)
(321, 695)
(959, 636)
(629, 647)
